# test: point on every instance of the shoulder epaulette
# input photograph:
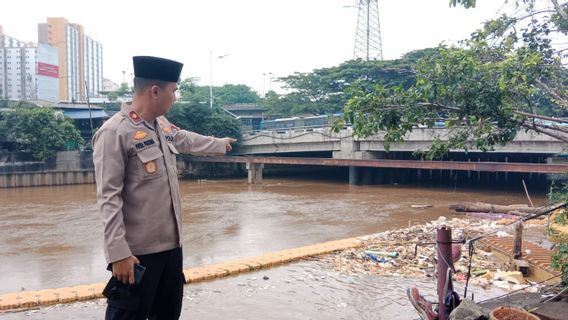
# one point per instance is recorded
(135, 117)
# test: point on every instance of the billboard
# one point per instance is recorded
(47, 73)
(48, 70)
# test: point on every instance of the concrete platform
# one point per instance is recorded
(33, 299)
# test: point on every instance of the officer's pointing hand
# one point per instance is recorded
(228, 142)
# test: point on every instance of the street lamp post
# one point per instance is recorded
(211, 76)
(89, 106)
(211, 79)
(263, 83)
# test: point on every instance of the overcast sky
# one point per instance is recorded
(259, 36)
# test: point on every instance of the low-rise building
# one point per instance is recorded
(249, 114)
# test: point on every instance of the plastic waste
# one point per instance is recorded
(390, 254)
(376, 258)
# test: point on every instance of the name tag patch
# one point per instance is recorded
(144, 144)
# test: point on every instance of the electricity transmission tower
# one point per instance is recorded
(368, 44)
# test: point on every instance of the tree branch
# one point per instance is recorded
(537, 116)
(563, 101)
(550, 134)
(553, 127)
(558, 8)
(436, 105)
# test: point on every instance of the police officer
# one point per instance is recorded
(134, 153)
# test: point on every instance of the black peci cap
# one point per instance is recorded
(156, 68)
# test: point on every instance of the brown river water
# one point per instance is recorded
(52, 237)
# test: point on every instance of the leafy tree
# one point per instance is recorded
(201, 119)
(113, 96)
(190, 92)
(227, 94)
(465, 3)
(231, 93)
(489, 87)
(123, 90)
(39, 131)
(221, 125)
(324, 91)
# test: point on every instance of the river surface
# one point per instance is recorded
(298, 291)
(52, 236)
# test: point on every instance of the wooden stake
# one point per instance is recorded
(517, 247)
(527, 192)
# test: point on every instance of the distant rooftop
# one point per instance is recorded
(244, 107)
(73, 106)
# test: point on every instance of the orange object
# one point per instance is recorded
(139, 135)
(502, 313)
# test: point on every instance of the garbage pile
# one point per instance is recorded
(394, 253)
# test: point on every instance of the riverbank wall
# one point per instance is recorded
(76, 167)
(67, 167)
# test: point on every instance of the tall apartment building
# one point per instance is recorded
(80, 58)
(28, 71)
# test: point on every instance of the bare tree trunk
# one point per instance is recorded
(515, 209)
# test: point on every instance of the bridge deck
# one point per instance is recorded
(401, 164)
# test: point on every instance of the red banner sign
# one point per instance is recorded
(48, 70)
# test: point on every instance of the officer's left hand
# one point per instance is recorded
(228, 142)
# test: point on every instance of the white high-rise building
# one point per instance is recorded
(93, 66)
(28, 71)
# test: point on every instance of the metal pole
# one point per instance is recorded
(445, 262)
(368, 25)
(89, 106)
(263, 83)
(211, 79)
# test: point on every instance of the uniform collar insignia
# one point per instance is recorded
(135, 117)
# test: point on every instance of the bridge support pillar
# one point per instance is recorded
(354, 175)
(255, 172)
(367, 176)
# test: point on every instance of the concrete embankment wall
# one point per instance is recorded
(76, 167)
(49, 178)
(68, 167)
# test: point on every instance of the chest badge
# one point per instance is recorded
(139, 135)
(150, 167)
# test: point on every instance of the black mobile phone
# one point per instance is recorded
(138, 273)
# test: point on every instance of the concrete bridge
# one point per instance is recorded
(528, 153)
(342, 145)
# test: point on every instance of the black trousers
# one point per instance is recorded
(159, 294)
